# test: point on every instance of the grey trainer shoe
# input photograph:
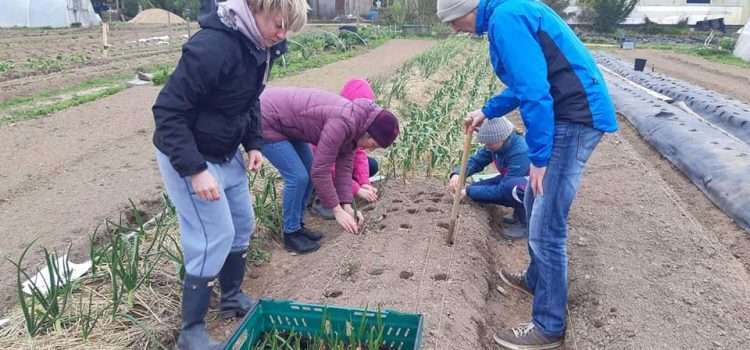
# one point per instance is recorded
(526, 337)
(516, 280)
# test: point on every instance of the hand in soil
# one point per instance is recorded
(205, 186)
(345, 218)
(360, 218)
(367, 194)
(371, 188)
(254, 160)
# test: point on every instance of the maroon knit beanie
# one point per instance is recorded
(384, 129)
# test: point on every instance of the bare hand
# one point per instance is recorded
(473, 120)
(360, 218)
(205, 186)
(453, 184)
(536, 180)
(345, 220)
(367, 194)
(254, 160)
(371, 188)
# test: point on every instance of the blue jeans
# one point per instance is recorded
(547, 274)
(509, 194)
(293, 160)
(209, 231)
(373, 165)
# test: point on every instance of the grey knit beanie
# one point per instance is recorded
(494, 130)
(449, 10)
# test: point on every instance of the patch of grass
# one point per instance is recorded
(43, 64)
(78, 58)
(161, 77)
(112, 82)
(38, 112)
(256, 254)
(319, 60)
(6, 66)
(89, 84)
(722, 53)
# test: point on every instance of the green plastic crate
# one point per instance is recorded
(402, 331)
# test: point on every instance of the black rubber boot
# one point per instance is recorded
(195, 296)
(234, 303)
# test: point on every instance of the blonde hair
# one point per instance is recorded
(294, 12)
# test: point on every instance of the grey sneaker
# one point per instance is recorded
(516, 232)
(510, 219)
(518, 215)
(526, 337)
(322, 211)
(516, 280)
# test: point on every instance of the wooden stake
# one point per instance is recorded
(105, 38)
(169, 27)
(461, 180)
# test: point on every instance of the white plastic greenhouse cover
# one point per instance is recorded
(47, 13)
(742, 48)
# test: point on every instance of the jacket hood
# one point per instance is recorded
(484, 12)
(211, 21)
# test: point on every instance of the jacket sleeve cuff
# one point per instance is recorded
(253, 145)
(539, 162)
(488, 113)
(190, 171)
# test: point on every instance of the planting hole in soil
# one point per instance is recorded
(333, 294)
(440, 277)
(405, 226)
(397, 201)
(435, 200)
(412, 211)
(382, 226)
(417, 201)
(376, 272)
(368, 208)
(431, 210)
(390, 210)
(443, 225)
(406, 275)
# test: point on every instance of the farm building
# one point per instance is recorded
(48, 13)
(734, 12)
(330, 9)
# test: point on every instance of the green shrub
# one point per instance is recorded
(605, 15)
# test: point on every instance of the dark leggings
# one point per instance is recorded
(372, 163)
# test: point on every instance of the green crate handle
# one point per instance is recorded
(402, 331)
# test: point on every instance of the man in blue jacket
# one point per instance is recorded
(508, 151)
(566, 108)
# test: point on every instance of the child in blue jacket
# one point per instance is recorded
(508, 151)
